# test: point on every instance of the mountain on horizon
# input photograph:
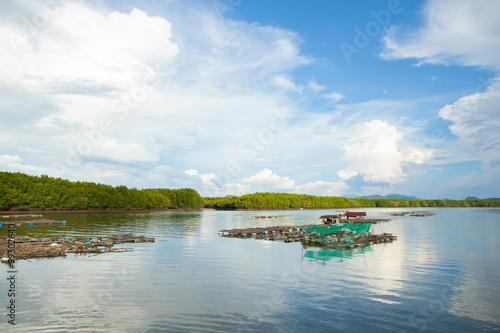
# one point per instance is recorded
(476, 198)
(389, 196)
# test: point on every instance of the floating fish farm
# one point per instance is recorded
(30, 248)
(343, 234)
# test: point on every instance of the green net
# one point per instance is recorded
(327, 254)
(334, 228)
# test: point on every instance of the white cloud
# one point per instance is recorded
(475, 120)
(335, 96)
(374, 153)
(235, 189)
(324, 188)
(345, 174)
(9, 159)
(14, 163)
(191, 172)
(416, 154)
(82, 45)
(267, 177)
(316, 87)
(284, 82)
(241, 52)
(207, 178)
(455, 32)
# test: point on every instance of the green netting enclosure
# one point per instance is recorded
(325, 254)
(334, 228)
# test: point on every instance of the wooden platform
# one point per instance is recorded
(31, 248)
(296, 233)
(23, 215)
(364, 221)
(416, 213)
(31, 223)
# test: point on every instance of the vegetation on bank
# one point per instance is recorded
(287, 201)
(21, 191)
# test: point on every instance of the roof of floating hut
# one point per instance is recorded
(324, 217)
(354, 214)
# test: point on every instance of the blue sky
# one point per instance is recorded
(240, 96)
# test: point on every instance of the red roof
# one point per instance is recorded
(328, 216)
(354, 214)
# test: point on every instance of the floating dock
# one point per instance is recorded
(30, 248)
(364, 221)
(32, 223)
(416, 213)
(24, 215)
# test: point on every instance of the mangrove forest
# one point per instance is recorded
(21, 191)
(297, 201)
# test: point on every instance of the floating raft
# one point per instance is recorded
(29, 248)
(33, 222)
(347, 240)
(266, 232)
(346, 216)
(24, 215)
(348, 235)
(364, 221)
(416, 213)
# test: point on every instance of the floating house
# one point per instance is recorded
(358, 215)
(327, 219)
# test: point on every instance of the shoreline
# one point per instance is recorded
(331, 208)
(187, 209)
(95, 210)
(288, 208)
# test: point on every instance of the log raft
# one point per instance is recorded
(31, 223)
(297, 233)
(30, 248)
(23, 215)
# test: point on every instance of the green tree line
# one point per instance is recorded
(20, 191)
(287, 200)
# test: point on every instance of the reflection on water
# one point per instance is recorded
(442, 274)
(325, 254)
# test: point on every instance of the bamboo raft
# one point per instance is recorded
(24, 215)
(30, 248)
(33, 222)
(416, 213)
(265, 217)
(364, 221)
(344, 241)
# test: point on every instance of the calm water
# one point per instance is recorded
(442, 274)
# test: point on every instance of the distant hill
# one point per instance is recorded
(389, 196)
(475, 198)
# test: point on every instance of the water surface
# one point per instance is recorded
(442, 274)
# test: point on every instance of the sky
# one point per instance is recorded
(240, 96)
